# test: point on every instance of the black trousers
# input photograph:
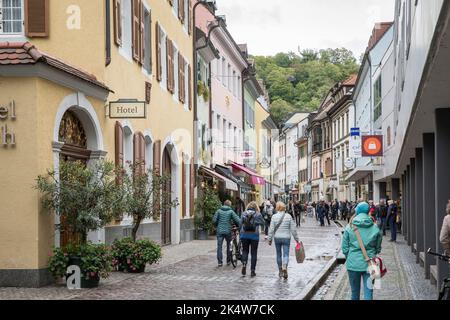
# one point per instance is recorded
(252, 247)
(298, 218)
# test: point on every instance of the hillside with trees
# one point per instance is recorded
(299, 82)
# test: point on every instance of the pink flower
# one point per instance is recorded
(50, 254)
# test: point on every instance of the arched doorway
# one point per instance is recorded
(166, 220)
(73, 136)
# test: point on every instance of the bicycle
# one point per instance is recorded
(444, 293)
(236, 246)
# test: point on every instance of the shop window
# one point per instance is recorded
(377, 99)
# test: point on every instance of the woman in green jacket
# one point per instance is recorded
(357, 266)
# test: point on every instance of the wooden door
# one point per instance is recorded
(166, 220)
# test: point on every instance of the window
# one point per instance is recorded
(389, 136)
(229, 77)
(11, 16)
(170, 65)
(377, 99)
(224, 70)
(234, 83)
(181, 79)
(302, 152)
(147, 41)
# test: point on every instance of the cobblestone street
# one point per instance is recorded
(189, 271)
(404, 281)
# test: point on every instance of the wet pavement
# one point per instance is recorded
(189, 271)
(405, 279)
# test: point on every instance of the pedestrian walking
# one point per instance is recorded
(239, 206)
(297, 213)
(251, 221)
(392, 219)
(291, 209)
(445, 232)
(321, 212)
(382, 215)
(281, 229)
(223, 219)
(399, 216)
(310, 210)
(267, 215)
(327, 213)
(356, 264)
(334, 210)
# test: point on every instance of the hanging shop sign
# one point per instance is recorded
(127, 109)
(247, 154)
(355, 143)
(348, 163)
(372, 146)
(7, 136)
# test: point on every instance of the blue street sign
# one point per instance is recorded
(355, 132)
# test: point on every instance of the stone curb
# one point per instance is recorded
(311, 289)
(318, 281)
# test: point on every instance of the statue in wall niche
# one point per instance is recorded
(71, 130)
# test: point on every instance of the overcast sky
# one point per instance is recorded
(271, 26)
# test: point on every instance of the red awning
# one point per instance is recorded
(254, 177)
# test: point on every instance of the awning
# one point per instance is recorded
(226, 172)
(229, 185)
(361, 172)
(254, 177)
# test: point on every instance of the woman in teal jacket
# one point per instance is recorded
(356, 264)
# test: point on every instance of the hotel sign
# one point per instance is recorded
(127, 109)
(7, 136)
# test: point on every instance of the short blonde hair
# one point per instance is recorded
(253, 205)
(448, 207)
(281, 207)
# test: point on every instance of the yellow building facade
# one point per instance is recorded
(68, 68)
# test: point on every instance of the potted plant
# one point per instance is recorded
(86, 198)
(95, 262)
(132, 256)
(206, 206)
(143, 194)
(203, 90)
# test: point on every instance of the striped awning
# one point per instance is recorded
(229, 185)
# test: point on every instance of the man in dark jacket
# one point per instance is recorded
(223, 220)
(382, 215)
(321, 212)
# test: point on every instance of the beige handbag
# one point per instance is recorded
(375, 265)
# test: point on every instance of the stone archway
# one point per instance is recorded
(77, 135)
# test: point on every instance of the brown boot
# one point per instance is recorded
(285, 272)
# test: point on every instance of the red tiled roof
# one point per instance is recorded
(25, 53)
(378, 32)
(351, 81)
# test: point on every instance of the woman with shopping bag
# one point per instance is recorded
(282, 227)
(361, 245)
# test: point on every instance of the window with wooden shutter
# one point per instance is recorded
(157, 157)
(190, 87)
(192, 187)
(181, 79)
(181, 10)
(183, 187)
(142, 33)
(170, 66)
(136, 27)
(119, 147)
(36, 18)
(158, 52)
(117, 7)
(139, 153)
(189, 17)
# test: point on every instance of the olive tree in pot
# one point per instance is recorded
(205, 208)
(144, 196)
(86, 199)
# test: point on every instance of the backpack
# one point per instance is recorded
(248, 222)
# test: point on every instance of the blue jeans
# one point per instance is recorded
(220, 238)
(383, 225)
(355, 283)
(282, 246)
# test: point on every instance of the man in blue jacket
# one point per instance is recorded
(223, 220)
